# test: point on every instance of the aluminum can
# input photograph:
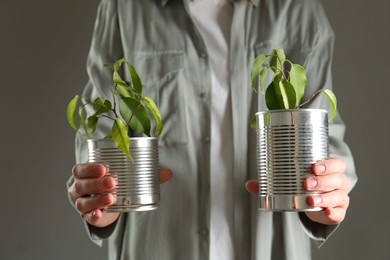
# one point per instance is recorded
(138, 187)
(288, 143)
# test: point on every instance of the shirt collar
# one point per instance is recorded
(254, 2)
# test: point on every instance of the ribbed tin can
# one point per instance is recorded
(138, 186)
(288, 143)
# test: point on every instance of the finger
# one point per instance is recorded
(327, 183)
(329, 216)
(83, 187)
(252, 186)
(87, 204)
(165, 174)
(335, 215)
(101, 218)
(83, 171)
(337, 198)
(329, 166)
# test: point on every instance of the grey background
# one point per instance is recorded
(43, 49)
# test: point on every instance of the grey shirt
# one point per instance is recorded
(160, 39)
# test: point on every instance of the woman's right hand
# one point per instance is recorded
(91, 192)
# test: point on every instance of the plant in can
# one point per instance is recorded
(135, 110)
(288, 83)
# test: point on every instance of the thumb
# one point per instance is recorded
(252, 186)
(165, 174)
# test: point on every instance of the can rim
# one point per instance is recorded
(131, 138)
(297, 110)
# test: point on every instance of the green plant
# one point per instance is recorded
(287, 87)
(135, 110)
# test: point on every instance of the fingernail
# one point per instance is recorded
(107, 183)
(97, 169)
(311, 183)
(115, 199)
(317, 200)
(320, 168)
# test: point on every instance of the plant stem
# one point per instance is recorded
(307, 101)
(113, 119)
(113, 109)
(281, 66)
(132, 114)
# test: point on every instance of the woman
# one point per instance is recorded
(194, 58)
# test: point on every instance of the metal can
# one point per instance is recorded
(138, 187)
(288, 143)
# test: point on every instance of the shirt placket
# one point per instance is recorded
(204, 143)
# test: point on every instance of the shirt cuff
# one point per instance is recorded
(97, 234)
(316, 231)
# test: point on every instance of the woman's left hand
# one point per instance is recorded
(328, 178)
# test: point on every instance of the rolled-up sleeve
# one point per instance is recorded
(319, 71)
(106, 47)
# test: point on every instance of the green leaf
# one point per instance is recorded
(252, 123)
(153, 109)
(101, 106)
(277, 59)
(256, 67)
(120, 137)
(120, 84)
(280, 94)
(281, 54)
(135, 115)
(332, 101)
(82, 121)
(71, 112)
(298, 80)
(288, 94)
(263, 74)
(117, 79)
(271, 99)
(123, 89)
(135, 79)
(92, 123)
(116, 65)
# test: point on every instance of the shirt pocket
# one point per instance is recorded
(160, 73)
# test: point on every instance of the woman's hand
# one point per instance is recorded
(92, 192)
(327, 177)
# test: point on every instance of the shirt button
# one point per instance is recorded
(203, 55)
(206, 140)
(204, 232)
